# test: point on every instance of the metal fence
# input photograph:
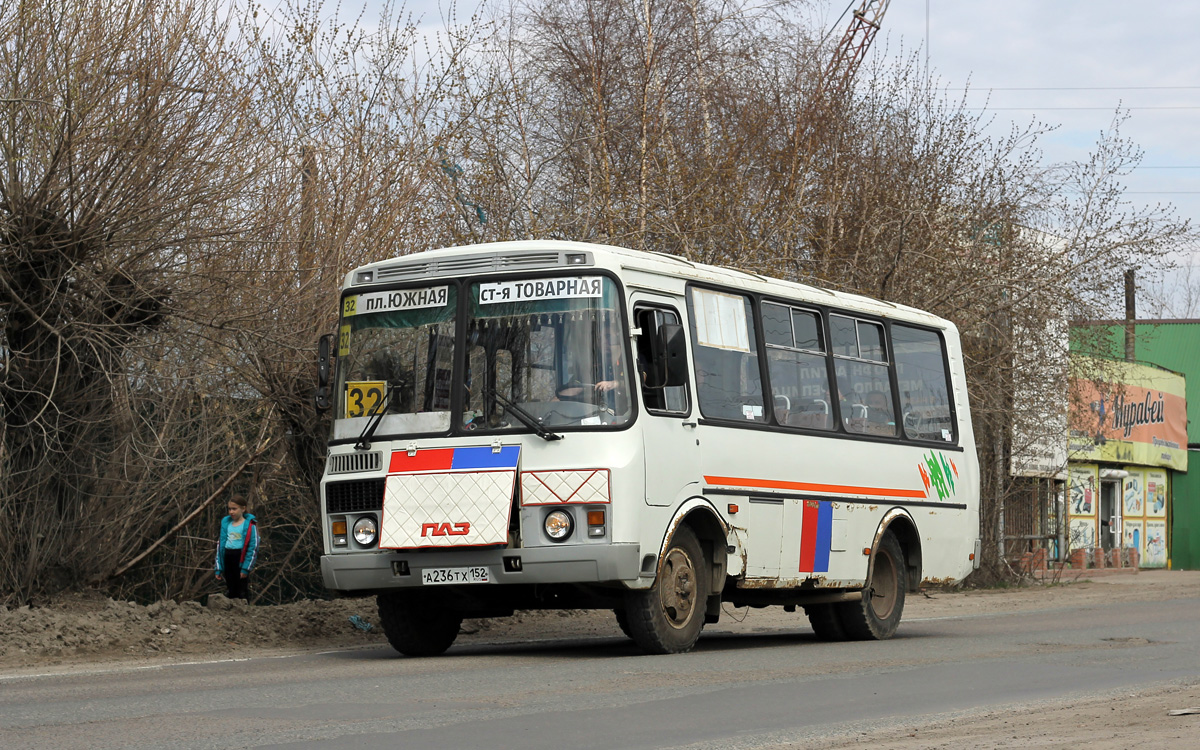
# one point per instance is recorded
(1032, 521)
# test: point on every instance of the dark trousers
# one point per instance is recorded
(231, 569)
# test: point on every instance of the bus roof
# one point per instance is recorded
(534, 255)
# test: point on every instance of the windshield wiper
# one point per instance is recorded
(525, 417)
(374, 417)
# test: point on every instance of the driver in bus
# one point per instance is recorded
(614, 369)
(609, 391)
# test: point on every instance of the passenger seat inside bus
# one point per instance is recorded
(811, 413)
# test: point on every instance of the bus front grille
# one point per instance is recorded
(352, 497)
(349, 463)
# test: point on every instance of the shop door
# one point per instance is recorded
(1110, 514)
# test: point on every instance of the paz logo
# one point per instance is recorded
(938, 472)
(445, 529)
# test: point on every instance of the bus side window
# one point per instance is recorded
(796, 366)
(725, 354)
(863, 376)
(924, 385)
(672, 399)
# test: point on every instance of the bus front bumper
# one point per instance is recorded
(375, 571)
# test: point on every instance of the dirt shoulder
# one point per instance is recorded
(91, 629)
(1117, 721)
(1111, 722)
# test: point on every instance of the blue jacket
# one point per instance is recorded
(249, 546)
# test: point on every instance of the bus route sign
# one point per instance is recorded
(572, 287)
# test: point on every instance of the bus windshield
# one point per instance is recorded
(396, 355)
(554, 347)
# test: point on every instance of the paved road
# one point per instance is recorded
(734, 691)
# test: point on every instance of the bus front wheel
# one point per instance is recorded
(667, 617)
(416, 625)
(877, 615)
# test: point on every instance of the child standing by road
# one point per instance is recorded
(237, 548)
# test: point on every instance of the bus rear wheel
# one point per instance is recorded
(877, 615)
(417, 625)
(825, 622)
(667, 617)
(623, 621)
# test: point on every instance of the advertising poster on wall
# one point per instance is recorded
(1083, 502)
(1082, 533)
(1134, 492)
(1154, 550)
(1083, 491)
(1133, 534)
(1126, 412)
(1156, 494)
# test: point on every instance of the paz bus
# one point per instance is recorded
(544, 424)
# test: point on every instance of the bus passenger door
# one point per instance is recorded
(668, 420)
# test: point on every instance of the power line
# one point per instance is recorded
(1069, 88)
(1080, 109)
(1143, 192)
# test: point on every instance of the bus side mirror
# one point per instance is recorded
(324, 370)
(671, 357)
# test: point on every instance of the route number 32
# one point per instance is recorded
(362, 396)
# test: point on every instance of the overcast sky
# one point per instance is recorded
(1071, 63)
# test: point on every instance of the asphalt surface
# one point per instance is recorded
(775, 686)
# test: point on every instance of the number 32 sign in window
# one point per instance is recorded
(362, 396)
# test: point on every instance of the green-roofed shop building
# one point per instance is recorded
(1175, 346)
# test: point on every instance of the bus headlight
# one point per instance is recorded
(558, 525)
(365, 531)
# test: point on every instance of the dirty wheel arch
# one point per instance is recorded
(667, 617)
(878, 614)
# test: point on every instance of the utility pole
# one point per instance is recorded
(1130, 316)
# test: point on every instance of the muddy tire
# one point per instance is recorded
(668, 617)
(623, 622)
(825, 622)
(878, 614)
(417, 625)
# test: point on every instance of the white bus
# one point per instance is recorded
(548, 424)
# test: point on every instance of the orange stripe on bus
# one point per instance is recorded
(774, 484)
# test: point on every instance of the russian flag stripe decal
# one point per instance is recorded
(484, 458)
(427, 460)
(824, 538)
(816, 534)
(454, 459)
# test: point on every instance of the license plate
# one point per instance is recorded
(436, 576)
